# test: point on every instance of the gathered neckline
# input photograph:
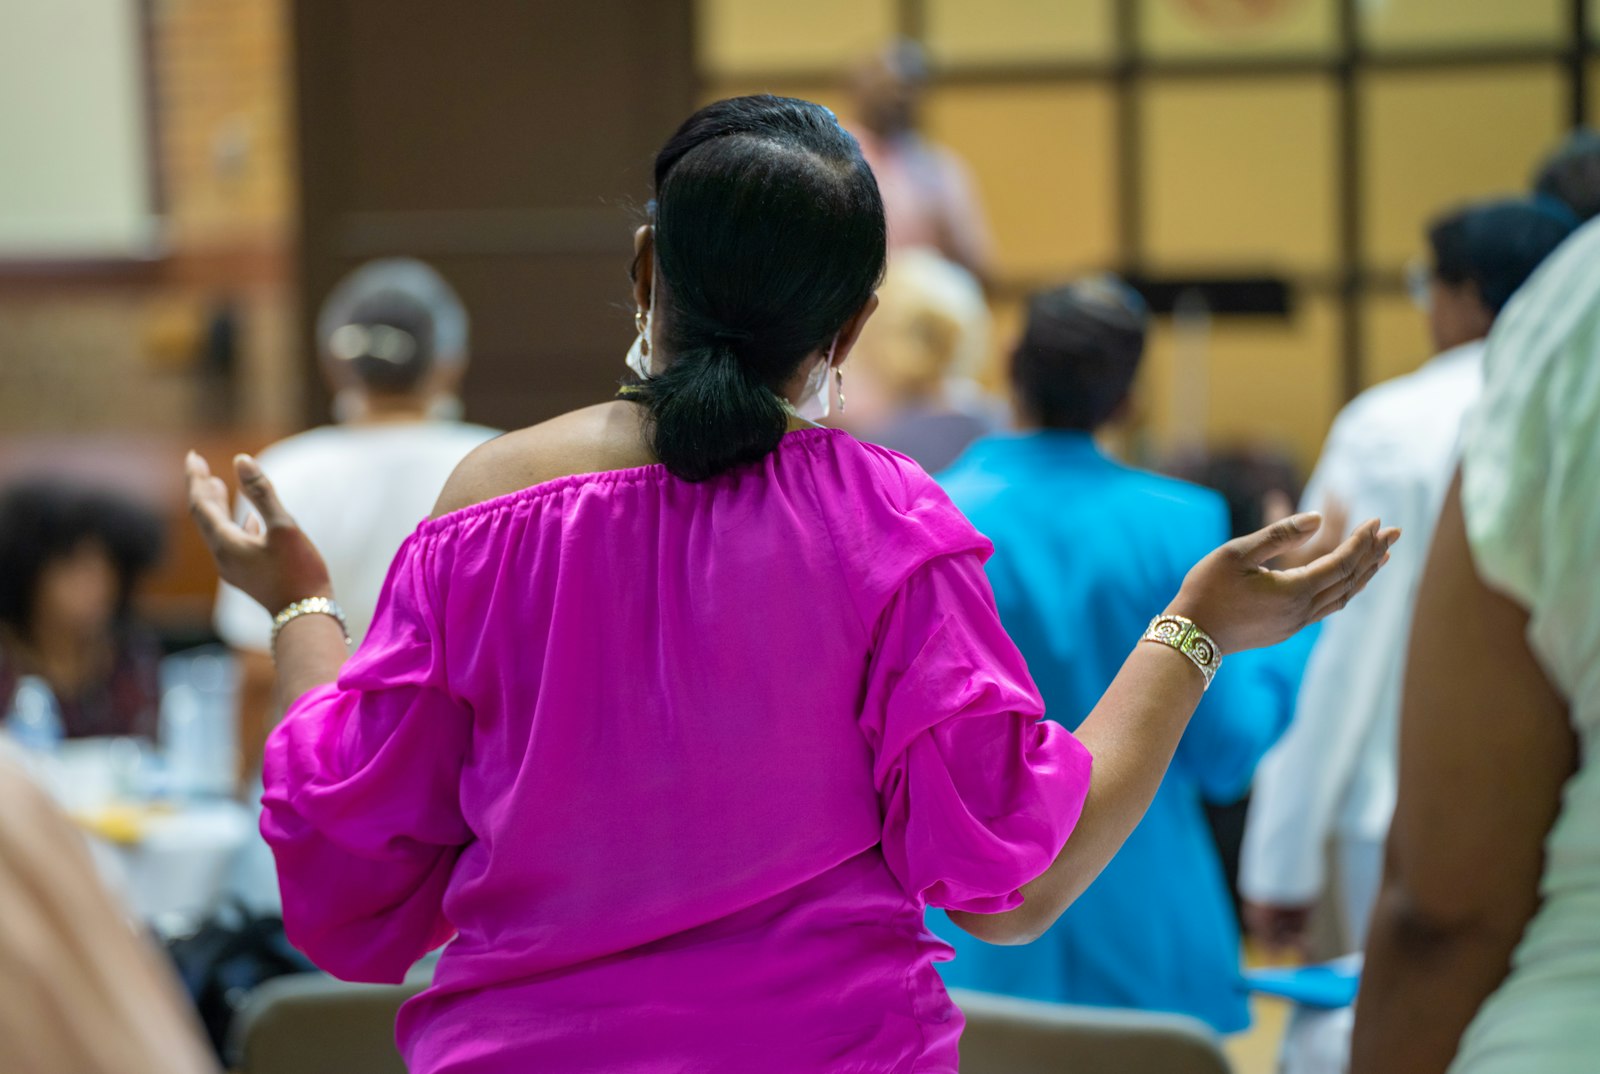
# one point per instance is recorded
(557, 484)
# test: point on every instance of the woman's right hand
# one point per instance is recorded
(1243, 604)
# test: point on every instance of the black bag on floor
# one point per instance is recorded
(227, 957)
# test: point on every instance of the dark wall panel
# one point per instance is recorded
(507, 142)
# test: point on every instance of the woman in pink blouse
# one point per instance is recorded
(682, 709)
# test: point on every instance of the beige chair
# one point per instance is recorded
(1005, 1035)
(310, 1023)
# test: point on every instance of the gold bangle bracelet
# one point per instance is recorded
(309, 606)
(1186, 636)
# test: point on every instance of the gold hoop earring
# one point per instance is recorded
(839, 377)
(642, 323)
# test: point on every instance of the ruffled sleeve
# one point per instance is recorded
(1530, 454)
(362, 802)
(979, 791)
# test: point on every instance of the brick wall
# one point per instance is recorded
(118, 347)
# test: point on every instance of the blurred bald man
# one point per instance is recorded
(928, 195)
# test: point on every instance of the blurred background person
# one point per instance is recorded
(1571, 174)
(1392, 450)
(1484, 954)
(80, 992)
(1082, 547)
(928, 195)
(394, 343)
(70, 560)
(911, 383)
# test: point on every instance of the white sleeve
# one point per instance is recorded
(1302, 782)
(240, 621)
(1299, 783)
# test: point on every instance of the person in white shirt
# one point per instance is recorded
(1391, 452)
(393, 338)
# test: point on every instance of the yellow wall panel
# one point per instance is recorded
(1004, 331)
(1042, 158)
(738, 36)
(1394, 337)
(1271, 382)
(1240, 175)
(1229, 28)
(1434, 139)
(1420, 24)
(1019, 31)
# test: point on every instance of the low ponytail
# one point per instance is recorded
(709, 413)
(767, 238)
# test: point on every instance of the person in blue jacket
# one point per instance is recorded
(1087, 550)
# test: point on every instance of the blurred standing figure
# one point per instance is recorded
(1391, 450)
(1082, 545)
(928, 196)
(1484, 955)
(69, 562)
(80, 993)
(394, 347)
(1571, 174)
(911, 387)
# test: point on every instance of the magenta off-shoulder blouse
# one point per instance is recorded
(678, 766)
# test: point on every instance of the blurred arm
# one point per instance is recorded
(1478, 713)
(79, 991)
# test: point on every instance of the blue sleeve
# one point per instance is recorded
(1250, 704)
(1246, 711)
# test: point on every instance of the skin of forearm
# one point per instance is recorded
(1132, 734)
(1429, 980)
(310, 652)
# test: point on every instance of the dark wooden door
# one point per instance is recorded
(506, 142)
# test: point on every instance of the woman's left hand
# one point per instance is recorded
(269, 558)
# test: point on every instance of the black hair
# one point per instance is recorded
(769, 236)
(44, 521)
(1079, 352)
(1496, 245)
(1571, 174)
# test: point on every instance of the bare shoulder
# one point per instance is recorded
(609, 436)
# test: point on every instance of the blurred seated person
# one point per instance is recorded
(393, 338)
(928, 196)
(911, 387)
(1571, 174)
(1393, 449)
(1082, 547)
(70, 559)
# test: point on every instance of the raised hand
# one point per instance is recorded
(269, 558)
(1244, 604)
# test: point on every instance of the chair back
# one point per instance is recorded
(1005, 1035)
(310, 1023)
